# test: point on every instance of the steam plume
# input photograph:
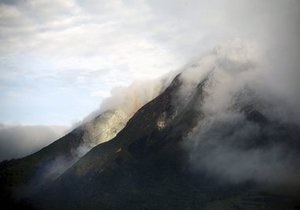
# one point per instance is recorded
(240, 135)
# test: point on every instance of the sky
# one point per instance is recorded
(59, 59)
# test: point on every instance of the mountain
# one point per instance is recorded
(205, 142)
(21, 177)
(33, 139)
(145, 165)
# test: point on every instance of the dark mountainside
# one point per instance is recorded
(147, 165)
(28, 174)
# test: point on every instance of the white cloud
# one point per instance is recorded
(115, 42)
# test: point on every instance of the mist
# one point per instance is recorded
(252, 62)
(246, 131)
(250, 115)
(106, 122)
(17, 141)
(114, 112)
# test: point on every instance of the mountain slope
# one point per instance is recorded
(27, 174)
(210, 140)
(21, 177)
(145, 165)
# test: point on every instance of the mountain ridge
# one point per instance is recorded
(144, 160)
(207, 141)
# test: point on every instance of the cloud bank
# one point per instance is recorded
(19, 140)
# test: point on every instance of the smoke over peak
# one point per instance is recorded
(115, 111)
(244, 131)
(229, 67)
(243, 125)
(243, 128)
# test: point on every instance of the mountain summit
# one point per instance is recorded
(209, 140)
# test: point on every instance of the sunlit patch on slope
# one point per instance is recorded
(161, 122)
(115, 111)
(104, 127)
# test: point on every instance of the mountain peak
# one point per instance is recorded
(203, 140)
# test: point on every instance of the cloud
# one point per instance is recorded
(115, 111)
(20, 140)
(76, 48)
(86, 48)
(245, 131)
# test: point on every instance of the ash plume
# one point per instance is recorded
(114, 112)
(245, 132)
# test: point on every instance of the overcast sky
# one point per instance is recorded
(60, 58)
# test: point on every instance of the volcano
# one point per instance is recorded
(197, 145)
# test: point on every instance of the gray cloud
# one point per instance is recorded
(19, 140)
(246, 132)
(230, 147)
